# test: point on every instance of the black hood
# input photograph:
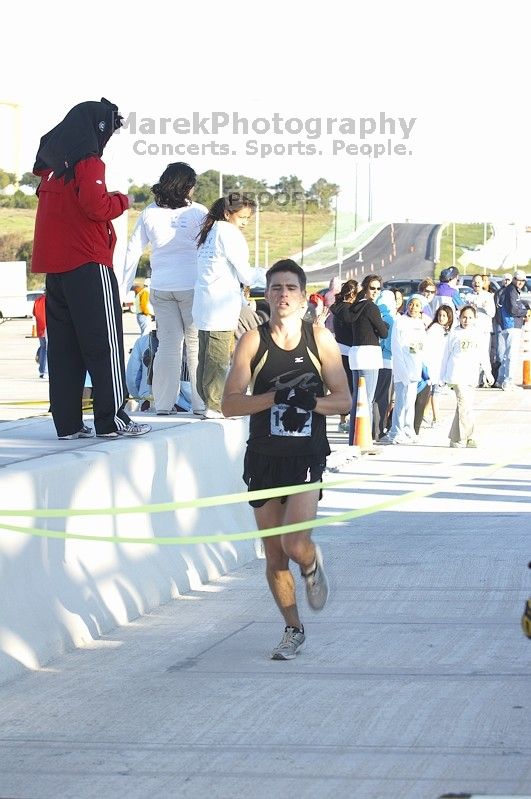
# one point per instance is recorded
(358, 308)
(83, 133)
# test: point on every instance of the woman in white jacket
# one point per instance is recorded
(408, 342)
(222, 269)
(463, 358)
(170, 225)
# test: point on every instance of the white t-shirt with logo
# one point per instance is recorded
(172, 233)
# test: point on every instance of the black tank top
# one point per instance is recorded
(273, 368)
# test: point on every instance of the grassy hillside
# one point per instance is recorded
(281, 229)
(466, 238)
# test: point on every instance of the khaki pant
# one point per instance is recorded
(215, 348)
(173, 312)
(463, 425)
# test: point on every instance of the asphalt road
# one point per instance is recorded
(401, 250)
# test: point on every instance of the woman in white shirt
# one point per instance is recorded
(408, 341)
(170, 225)
(222, 269)
(464, 356)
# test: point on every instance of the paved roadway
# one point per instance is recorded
(414, 682)
(400, 250)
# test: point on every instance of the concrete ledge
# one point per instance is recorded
(58, 594)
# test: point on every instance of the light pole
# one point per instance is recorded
(356, 196)
(340, 260)
(257, 235)
(369, 211)
(335, 226)
(303, 208)
(221, 184)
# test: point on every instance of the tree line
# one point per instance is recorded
(287, 194)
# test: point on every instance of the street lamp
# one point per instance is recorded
(257, 234)
(356, 197)
(303, 208)
(369, 211)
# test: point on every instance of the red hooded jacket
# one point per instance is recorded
(73, 223)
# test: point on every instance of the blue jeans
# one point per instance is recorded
(371, 379)
(43, 361)
(402, 426)
(508, 372)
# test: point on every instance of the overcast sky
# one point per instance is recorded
(447, 91)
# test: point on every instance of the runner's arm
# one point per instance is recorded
(235, 400)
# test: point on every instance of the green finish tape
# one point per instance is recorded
(161, 507)
(433, 488)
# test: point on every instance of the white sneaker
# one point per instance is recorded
(85, 432)
(316, 583)
(133, 430)
(292, 641)
(210, 414)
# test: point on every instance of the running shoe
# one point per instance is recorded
(316, 583)
(85, 432)
(471, 444)
(343, 427)
(132, 430)
(292, 640)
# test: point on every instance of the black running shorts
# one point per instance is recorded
(263, 471)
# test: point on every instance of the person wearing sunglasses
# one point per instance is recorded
(365, 355)
(427, 289)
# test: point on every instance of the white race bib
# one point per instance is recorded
(277, 428)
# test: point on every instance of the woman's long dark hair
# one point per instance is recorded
(348, 290)
(230, 204)
(174, 186)
(449, 312)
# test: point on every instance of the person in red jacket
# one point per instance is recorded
(73, 244)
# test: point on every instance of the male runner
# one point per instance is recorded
(290, 365)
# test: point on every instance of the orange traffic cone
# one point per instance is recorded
(34, 331)
(526, 355)
(362, 425)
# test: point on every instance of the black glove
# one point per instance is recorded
(293, 420)
(281, 396)
(296, 398)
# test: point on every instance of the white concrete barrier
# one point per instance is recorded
(56, 594)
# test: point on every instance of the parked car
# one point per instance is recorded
(405, 285)
(466, 280)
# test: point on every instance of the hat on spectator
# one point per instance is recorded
(420, 297)
(448, 274)
(507, 276)
(147, 281)
(519, 274)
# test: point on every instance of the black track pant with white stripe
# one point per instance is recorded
(84, 324)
